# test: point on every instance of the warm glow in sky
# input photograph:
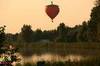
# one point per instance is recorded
(15, 13)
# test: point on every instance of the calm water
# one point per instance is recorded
(51, 58)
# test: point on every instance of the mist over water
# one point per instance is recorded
(47, 57)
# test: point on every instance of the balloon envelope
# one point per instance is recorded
(52, 10)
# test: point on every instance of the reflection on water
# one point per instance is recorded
(56, 58)
(52, 58)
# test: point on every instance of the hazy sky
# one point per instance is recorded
(15, 13)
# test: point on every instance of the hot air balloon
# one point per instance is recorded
(52, 10)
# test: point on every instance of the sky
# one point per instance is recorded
(15, 13)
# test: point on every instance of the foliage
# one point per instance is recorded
(2, 37)
(62, 32)
(2, 34)
(94, 22)
(26, 33)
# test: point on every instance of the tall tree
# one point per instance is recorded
(2, 37)
(84, 32)
(62, 32)
(94, 21)
(26, 33)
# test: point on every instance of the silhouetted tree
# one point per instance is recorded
(62, 32)
(38, 35)
(72, 35)
(26, 33)
(2, 34)
(84, 32)
(11, 37)
(49, 35)
(2, 37)
(94, 21)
